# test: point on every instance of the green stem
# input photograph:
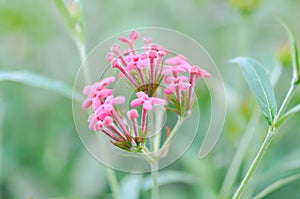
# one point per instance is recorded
(255, 163)
(113, 182)
(238, 157)
(266, 143)
(83, 56)
(285, 102)
(154, 173)
(173, 133)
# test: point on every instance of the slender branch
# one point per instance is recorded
(238, 157)
(154, 173)
(255, 163)
(113, 182)
(285, 102)
(173, 133)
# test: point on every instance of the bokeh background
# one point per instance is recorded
(41, 153)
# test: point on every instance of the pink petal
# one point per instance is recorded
(136, 102)
(147, 105)
(141, 94)
(123, 39)
(115, 48)
(168, 90)
(88, 89)
(156, 100)
(169, 79)
(87, 103)
(108, 120)
(106, 81)
(96, 103)
(184, 86)
(118, 100)
(134, 35)
(110, 56)
(183, 78)
(132, 114)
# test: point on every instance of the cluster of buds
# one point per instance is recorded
(147, 71)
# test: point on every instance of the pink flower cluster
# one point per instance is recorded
(145, 70)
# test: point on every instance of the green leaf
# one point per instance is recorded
(276, 185)
(169, 177)
(35, 80)
(294, 52)
(288, 114)
(69, 20)
(260, 86)
(72, 16)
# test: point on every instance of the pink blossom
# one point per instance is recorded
(134, 35)
(146, 101)
(173, 69)
(115, 48)
(176, 83)
(108, 121)
(196, 70)
(107, 107)
(134, 61)
(92, 91)
(178, 60)
(110, 56)
(132, 114)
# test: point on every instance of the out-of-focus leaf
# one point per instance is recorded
(294, 52)
(169, 177)
(276, 185)
(35, 80)
(260, 86)
(130, 186)
(69, 20)
(71, 13)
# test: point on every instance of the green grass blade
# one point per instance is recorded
(38, 81)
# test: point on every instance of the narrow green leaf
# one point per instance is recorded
(276, 185)
(70, 21)
(294, 52)
(260, 86)
(288, 114)
(169, 177)
(72, 16)
(35, 80)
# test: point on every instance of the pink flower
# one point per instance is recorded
(134, 61)
(146, 101)
(107, 107)
(173, 69)
(198, 72)
(176, 83)
(178, 60)
(96, 91)
(132, 114)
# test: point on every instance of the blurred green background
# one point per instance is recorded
(41, 154)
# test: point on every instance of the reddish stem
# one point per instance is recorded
(120, 123)
(110, 134)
